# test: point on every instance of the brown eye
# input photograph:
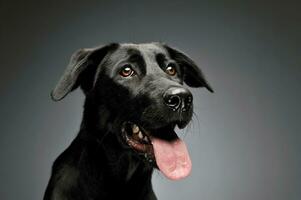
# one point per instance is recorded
(126, 71)
(171, 70)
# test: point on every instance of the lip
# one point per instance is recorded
(138, 139)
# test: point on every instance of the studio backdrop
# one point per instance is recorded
(244, 139)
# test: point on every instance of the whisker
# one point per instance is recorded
(197, 119)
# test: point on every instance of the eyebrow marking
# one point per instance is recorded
(137, 58)
(161, 60)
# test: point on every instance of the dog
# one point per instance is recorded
(134, 98)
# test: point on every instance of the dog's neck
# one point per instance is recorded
(121, 174)
(120, 170)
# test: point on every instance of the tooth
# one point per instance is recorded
(145, 139)
(140, 135)
(135, 128)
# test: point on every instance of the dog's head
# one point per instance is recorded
(137, 93)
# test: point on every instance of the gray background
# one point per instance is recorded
(245, 139)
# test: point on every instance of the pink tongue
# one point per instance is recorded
(172, 158)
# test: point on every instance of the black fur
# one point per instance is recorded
(99, 164)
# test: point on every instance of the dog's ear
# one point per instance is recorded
(192, 74)
(81, 71)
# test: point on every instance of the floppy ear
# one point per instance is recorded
(81, 71)
(193, 75)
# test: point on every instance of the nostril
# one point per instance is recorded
(173, 101)
(189, 99)
(187, 103)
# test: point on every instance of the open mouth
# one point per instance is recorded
(138, 139)
(161, 146)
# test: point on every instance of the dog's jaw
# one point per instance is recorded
(168, 153)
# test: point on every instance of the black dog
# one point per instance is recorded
(134, 99)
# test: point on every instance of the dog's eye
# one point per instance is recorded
(171, 70)
(127, 71)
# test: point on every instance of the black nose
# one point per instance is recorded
(178, 98)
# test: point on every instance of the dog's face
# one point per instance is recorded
(138, 91)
